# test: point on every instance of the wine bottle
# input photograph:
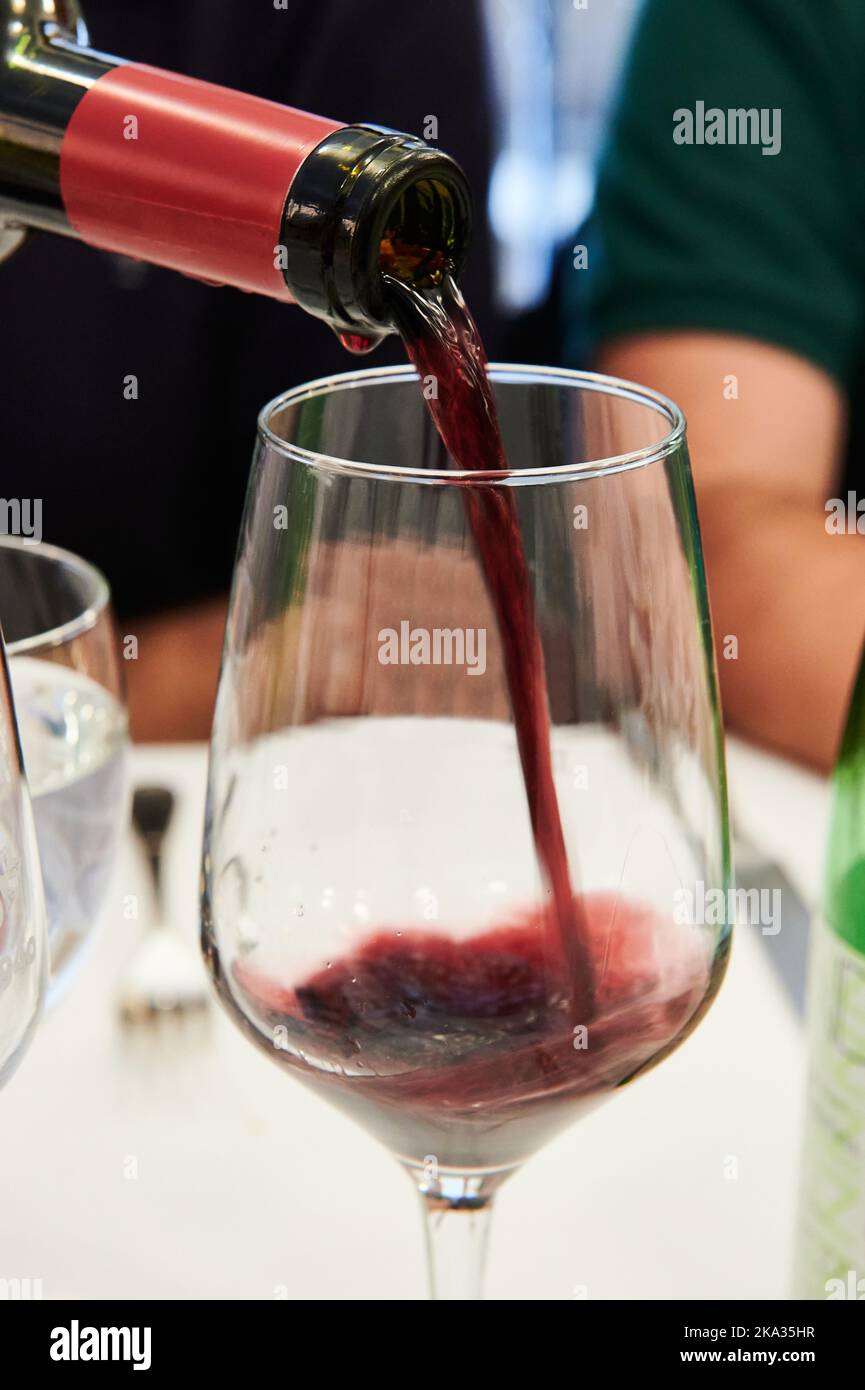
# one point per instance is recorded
(223, 186)
(830, 1253)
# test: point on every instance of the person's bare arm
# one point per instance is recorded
(171, 684)
(764, 465)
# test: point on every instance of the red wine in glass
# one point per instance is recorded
(462, 1048)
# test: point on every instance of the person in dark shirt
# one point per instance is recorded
(151, 489)
(727, 269)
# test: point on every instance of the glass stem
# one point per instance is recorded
(457, 1224)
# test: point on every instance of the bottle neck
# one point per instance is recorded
(185, 174)
(222, 186)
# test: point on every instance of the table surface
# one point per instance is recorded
(187, 1166)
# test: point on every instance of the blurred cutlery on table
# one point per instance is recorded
(787, 941)
(165, 979)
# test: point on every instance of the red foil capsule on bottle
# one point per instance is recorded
(185, 174)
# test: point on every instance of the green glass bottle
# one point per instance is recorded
(830, 1253)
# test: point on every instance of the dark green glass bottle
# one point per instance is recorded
(830, 1253)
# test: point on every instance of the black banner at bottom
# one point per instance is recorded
(77, 1338)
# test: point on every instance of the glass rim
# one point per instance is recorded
(98, 596)
(500, 372)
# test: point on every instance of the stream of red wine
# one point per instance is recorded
(443, 342)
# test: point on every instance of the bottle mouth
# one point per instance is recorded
(407, 214)
(418, 245)
(379, 203)
(424, 230)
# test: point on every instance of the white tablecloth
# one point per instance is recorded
(151, 1167)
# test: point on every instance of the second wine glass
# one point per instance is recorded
(23, 937)
(67, 680)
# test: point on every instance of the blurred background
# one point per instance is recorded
(554, 69)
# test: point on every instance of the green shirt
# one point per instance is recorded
(722, 236)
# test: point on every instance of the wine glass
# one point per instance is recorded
(23, 939)
(68, 685)
(375, 917)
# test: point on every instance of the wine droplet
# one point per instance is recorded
(359, 343)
